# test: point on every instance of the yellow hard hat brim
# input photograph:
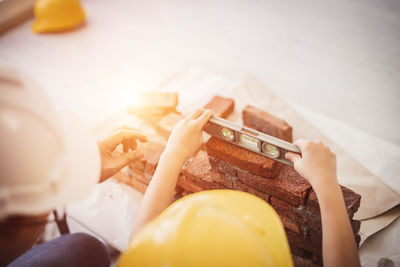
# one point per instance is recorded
(212, 228)
(46, 26)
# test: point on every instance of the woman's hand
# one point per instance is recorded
(316, 163)
(111, 164)
(186, 136)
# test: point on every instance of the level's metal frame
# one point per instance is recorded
(216, 124)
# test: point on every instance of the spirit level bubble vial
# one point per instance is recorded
(250, 139)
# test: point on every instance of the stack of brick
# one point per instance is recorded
(143, 169)
(228, 166)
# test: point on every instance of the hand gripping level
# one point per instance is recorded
(250, 139)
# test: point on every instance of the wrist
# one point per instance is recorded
(326, 188)
(174, 156)
(323, 182)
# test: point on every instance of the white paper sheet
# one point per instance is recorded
(110, 210)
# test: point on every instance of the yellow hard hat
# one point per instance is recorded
(212, 228)
(57, 15)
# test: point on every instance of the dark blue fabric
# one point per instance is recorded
(67, 250)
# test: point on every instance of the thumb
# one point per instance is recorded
(293, 157)
(127, 158)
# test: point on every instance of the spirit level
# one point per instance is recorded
(250, 139)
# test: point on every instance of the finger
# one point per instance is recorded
(195, 114)
(293, 157)
(301, 143)
(122, 135)
(132, 131)
(125, 145)
(129, 144)
(203, 118)
(133, 144)
(136, 155)
(127, 127)
(126, 159)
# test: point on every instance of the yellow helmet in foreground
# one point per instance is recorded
(212, 228)
(57, 15)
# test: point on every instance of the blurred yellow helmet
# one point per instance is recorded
(57, 15)
(212, 228)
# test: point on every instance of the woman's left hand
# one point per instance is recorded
(111, 164)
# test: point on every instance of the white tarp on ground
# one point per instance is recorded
(110, 210)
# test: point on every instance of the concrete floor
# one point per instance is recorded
(340, 58)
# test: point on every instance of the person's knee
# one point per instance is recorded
(91, 250)
(68, 250)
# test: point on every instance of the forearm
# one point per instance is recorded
(184, 141)
(339, 247)
(160, 191)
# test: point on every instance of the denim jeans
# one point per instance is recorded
(67, 250)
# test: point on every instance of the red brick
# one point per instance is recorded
(232, 182)
(138, 165)
(298, 251)
(267, 123)
(181, 195)
(140, 176)
(178, 190)
(312, 222)
(122, 178)
(285, 209)
(303, 262)
(292, 225)
(148, 163)
(204, 183)
(221, 106)
(291, 219)
(139, 181)
(162, 100)
(224, 179)
(186, 193)
(139, 186)
(358, 240)
(287, 185)
(303, 243)
(167, 123)
(199, 171)
(153, 106)
(187, 185)
(311, 213)
(316, 236)
(222, 166)
(351, 199)
(242, 158)
(203, 147)
(302, 257)
(356, 225)
(238, 185)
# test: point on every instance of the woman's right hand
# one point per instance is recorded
(186, 137)
(316, 163)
